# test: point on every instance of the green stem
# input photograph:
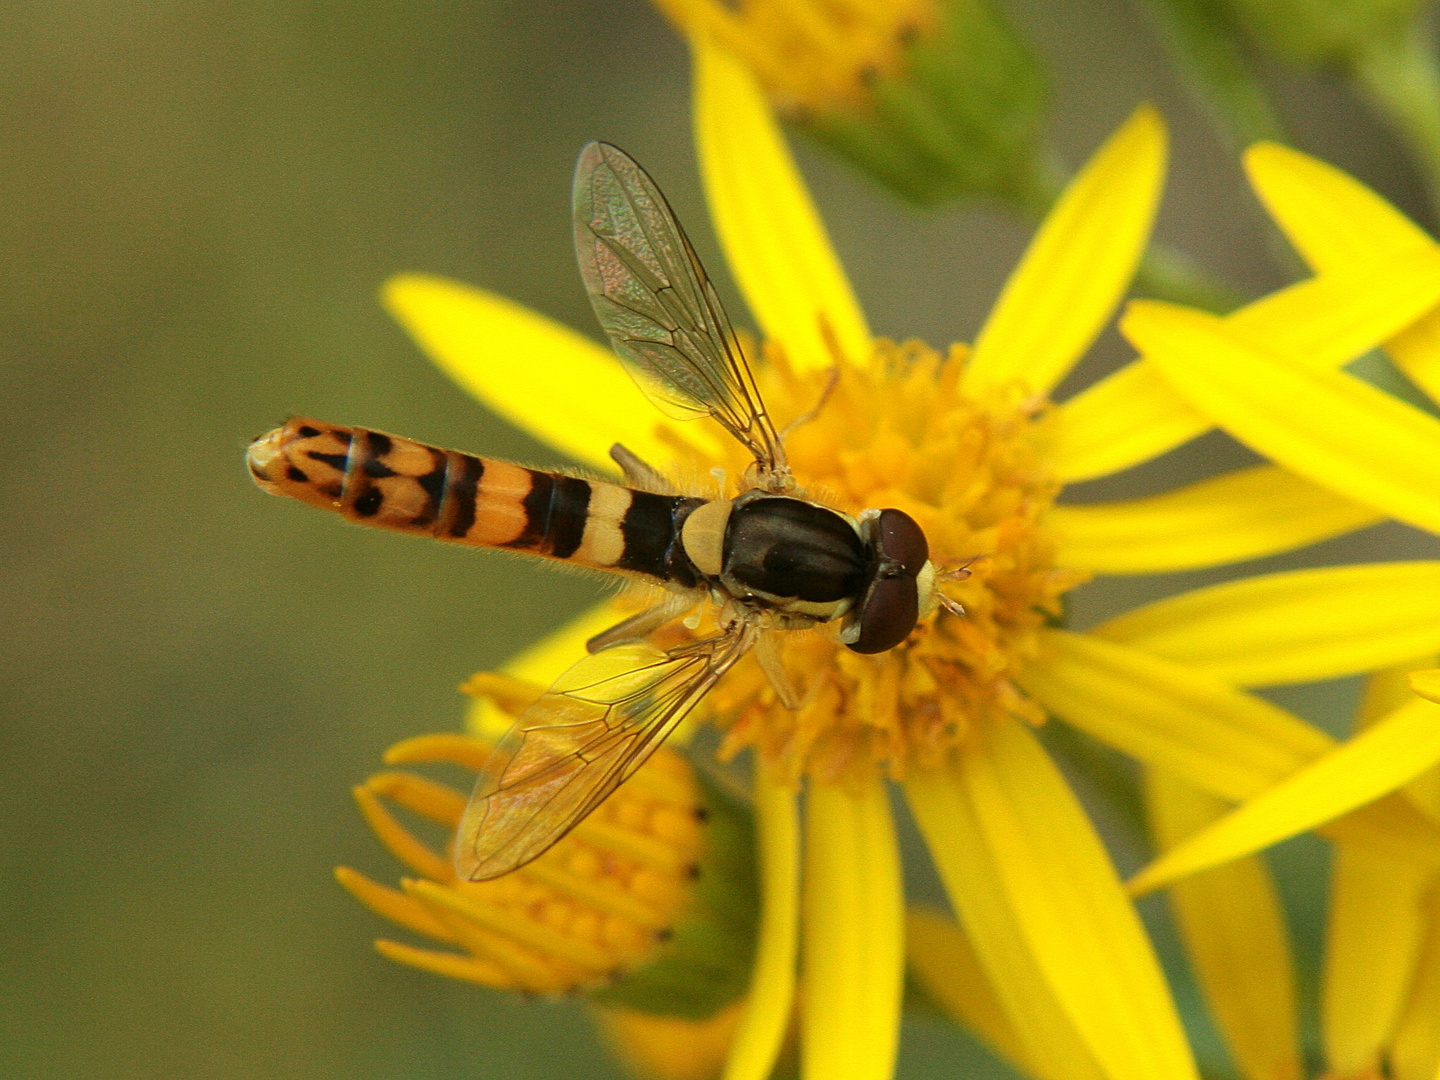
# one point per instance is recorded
(1399, 77)
(1204, 47)
(1166, 273)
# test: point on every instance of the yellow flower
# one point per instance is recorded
(933, 98)
(969, 444)
(590, 911)
(647, 907)
(1380, 992)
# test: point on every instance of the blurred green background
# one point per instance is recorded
(199, 203)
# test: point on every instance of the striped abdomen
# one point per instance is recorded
(383, 480)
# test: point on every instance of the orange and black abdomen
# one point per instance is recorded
(395, 483)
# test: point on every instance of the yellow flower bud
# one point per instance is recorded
(932, 98)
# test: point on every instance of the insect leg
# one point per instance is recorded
(640, 473)
(767, 651)
(806, 417)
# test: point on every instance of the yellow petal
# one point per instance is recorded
(1375, 922)
(1426, 684)
(1369, 765)
(774, 240)
(392, 904)
(762, 1027)
(542, 663)
(1073, 914)
(1202, 730)
(1130, 416)
(1373, 937)
(1326, 426)
(668, 1047)
(1415, 1054)
(1332, 219)
(1235, 935)
(853, 952)
(1296, 626)
(945, 964)
(1241, 515)
(1050, 1044)
(1078, 266)
(1416, 350)
(545, 378)
(398, 840)
(1134, 414)
(451, 965)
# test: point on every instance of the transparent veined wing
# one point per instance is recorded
(579, 742)
(653, 298)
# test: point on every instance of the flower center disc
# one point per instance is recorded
(975, 475)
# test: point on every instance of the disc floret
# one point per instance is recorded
(975, 473)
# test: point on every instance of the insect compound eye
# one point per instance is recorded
(898, 537)
(892, 603)
(891, 608)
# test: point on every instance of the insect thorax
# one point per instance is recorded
(778, 554)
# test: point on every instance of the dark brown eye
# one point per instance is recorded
(889, 614)
(898, 537)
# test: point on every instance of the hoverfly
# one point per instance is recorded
(769, 559)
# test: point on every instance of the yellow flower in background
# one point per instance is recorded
(933, 98)
(647, 907)
(969, 445)
(1380, 992)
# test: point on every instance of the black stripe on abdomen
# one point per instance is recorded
(461, 483)
(651, 531)
(555, 511)
(569, 508)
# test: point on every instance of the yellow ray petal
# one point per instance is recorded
(1372, 943)
(1332, 219)
(398, 840)
(1296, 626)
(1204, 731)
(944, 962)
(853, 952)
(1050, 1044)
(1235, 935)
(1335, 221)
(1370, 765)
(1241, 515)
(1415, 1054)
(542, 663)
(668, 1047)
(761, 1030)
(1385, 691)
(1416, 350)
(1134, 414)
(392, 904)
(1326, 426)
(1130, 416)
(774, 240)
(1074, 915)
(541, 376)
(451, 965)
(1078, 266)
(1426, 684)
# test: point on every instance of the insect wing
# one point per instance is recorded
(579, 742)
(653, 298)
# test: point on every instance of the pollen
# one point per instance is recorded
(976, 475)
(595, 907)
(813, 56)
